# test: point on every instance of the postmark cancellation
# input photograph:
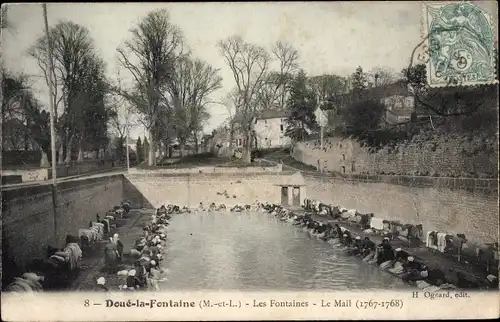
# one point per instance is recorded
(460, 44)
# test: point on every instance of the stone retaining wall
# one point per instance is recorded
(459, 205)
(209, 170)
(191, 189)
(40, 174)
(28, 213)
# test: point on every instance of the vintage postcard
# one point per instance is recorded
(249, 161)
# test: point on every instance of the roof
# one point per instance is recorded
(272, 114)
(237, 118)
(264, 115)
(400, 112)
(295, 179)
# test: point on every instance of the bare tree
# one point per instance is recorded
(275, 91)
(249, 64)
(381, 76)
(230, 103)
(288, 59)
(327, 88)
(155, 45)
(72, 48)
(189, 89)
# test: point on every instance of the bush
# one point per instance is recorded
(364, 116)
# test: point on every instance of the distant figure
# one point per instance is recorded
(132, 282)
(386, 253)
(119, 246)
(155, 275)
(414, 271)
(111, 257)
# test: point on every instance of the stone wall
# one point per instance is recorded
(191, 189)
(440, 156)
(28, 213)
(467, 206)
(210, 170)
(40, 174)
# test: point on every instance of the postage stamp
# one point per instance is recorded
(460, 43)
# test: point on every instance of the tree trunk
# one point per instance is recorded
(231, 136)
(145, 152)
(26, 137)
(44, 161)
(61, 153)
(246, 153)
(196, 145)
(68, 152)
(182, 146)
(161, 152)
(80, 151)
(151, 154)
(80, 155)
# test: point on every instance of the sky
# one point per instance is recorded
(331, 37)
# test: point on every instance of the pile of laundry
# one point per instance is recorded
(52, 272)
(28, 282)
(212, 207)
(171, 209)
(236, 208)
(225, 194)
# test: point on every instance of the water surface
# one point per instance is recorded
(255, 252)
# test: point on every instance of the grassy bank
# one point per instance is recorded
(203, 160)
(189, 161)
(287, 160)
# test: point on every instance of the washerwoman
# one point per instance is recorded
(111, 257)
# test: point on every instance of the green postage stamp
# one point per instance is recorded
(460, 44)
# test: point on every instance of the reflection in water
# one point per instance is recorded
(254, 251)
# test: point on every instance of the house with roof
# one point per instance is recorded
(269, 129)
(396, 97)
(132, 144)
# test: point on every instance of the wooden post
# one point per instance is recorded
(52, 121)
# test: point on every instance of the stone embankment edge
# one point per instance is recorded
(354, 234)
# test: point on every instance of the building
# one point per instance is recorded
(269, 128)
(132, 145)
(268, 131)
(396, 97)
(206, 143)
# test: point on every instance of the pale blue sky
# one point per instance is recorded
(331, 37)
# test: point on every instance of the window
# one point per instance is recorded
(343, 169)
(281, 127)
(353, 167)
(265, 121)
(238, 142)
(343, 157)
